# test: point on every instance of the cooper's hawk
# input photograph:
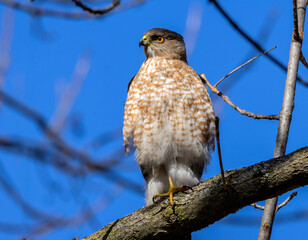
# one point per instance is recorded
(169, 116)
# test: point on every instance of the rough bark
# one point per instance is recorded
(208, 202)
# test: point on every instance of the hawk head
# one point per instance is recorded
(160, 42)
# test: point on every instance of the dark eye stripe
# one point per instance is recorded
(155, 37)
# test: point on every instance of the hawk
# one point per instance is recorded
(168, 116)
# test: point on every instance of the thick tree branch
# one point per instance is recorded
(208, 202)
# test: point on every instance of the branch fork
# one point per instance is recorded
(227, 100)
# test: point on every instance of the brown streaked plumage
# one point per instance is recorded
(168, 115)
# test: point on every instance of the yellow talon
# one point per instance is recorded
(173, 189)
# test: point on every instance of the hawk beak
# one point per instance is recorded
(144, 41)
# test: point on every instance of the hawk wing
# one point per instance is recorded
(130, 82)
(131, 114)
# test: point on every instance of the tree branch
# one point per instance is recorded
(241, 111)
(60, 161)
(254, 42)
(285, 115)
(244, 64)
(40, 11)
(285, 202)
(209, 203)
(102, 11)
(37, 11)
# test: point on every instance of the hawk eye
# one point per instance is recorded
(160, 39)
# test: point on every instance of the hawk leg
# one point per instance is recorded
(173, 189)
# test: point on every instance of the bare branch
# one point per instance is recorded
(285, 202)
(262, 36)
(59, 161)
(249, 61)
(253, 42)
(101, 11)
(37, 11)
(241, 111)
(43, 11)
(257, 206)
(285, 116)
(208, 202)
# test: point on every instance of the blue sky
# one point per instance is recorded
(44, 54)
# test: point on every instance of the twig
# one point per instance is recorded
(257, 206)
(285, 202)
(36, 11)
(241, 111)
(219, 153)
(253, 42)
(43, 11)
(262, 36)
(101, 11)
(62, 163)
(57, 141)
(250, 60)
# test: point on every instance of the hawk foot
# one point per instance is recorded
(171, 192)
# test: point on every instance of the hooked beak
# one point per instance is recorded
(144, 41)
